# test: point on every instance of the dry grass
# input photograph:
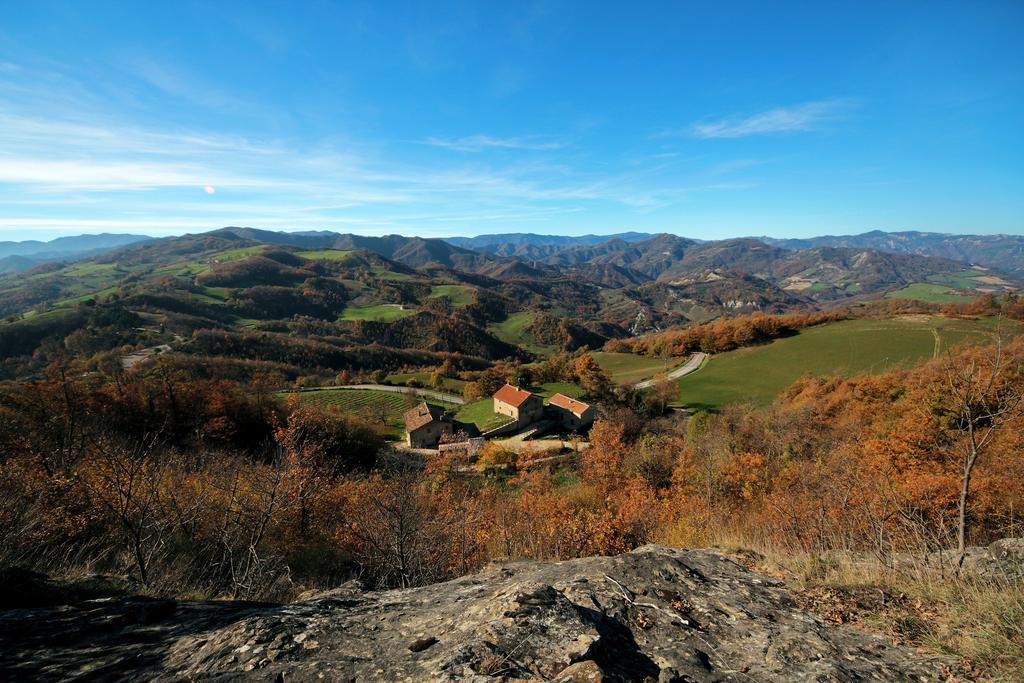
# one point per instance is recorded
(976, 623)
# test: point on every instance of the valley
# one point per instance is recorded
(324, 309)
(502, 342)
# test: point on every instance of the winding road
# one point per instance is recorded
(686, 368)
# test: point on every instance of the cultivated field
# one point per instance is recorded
(849, 347)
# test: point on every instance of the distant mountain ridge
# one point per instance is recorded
(526, 239)
(62, 246)
(813, 272)
(338, 301)
(16, 257)
(1005, 252)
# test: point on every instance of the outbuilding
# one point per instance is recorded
(571, 412)
(425, 425)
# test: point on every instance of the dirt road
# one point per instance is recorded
(429, 393)
(686, 368)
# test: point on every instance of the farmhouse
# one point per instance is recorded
(523, 406)
(425, 425)
(572, 413)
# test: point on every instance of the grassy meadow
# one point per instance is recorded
(460, 295)
(928, 291)
(384, 313)
(371, 404)
(481, 413)
(759, 373)
(325, 254)
(629, 368)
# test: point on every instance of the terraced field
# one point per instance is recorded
(849, 347)
(371, 404)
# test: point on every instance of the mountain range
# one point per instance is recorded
(334, 300)
(18, 256)
(1004, 252)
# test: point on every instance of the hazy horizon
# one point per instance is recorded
(699, 119)
(39, 236)
(47, 236)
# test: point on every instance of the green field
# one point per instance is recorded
(460, 295)
(236, 254)
(481, 413)
(212, 295)
(759, 373)
(384, 313)
(965, 279)
(629, 368)
(928, 291)
(325, 254)
(85, 269)
(371, 404)
(385, 274)
(512, 330)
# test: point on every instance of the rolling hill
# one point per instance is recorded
(327, 301)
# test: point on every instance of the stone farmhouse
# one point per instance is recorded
(572, 413)
(521, 405)
(425, 425)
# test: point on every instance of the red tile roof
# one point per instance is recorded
(421, 415)
(571, 404)
(514, 396)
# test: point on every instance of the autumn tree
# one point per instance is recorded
(592, 377)
(978, 395)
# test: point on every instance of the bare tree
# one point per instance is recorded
(253, 498)
(379, 411)
(127, 480)
(980, 394)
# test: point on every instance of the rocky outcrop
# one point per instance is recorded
(653, 614)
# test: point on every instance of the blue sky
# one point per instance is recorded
(708, 119)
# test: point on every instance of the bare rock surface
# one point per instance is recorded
(654, 614)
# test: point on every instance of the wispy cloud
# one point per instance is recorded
(479, 143)
(800, 117)
(68, 163)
